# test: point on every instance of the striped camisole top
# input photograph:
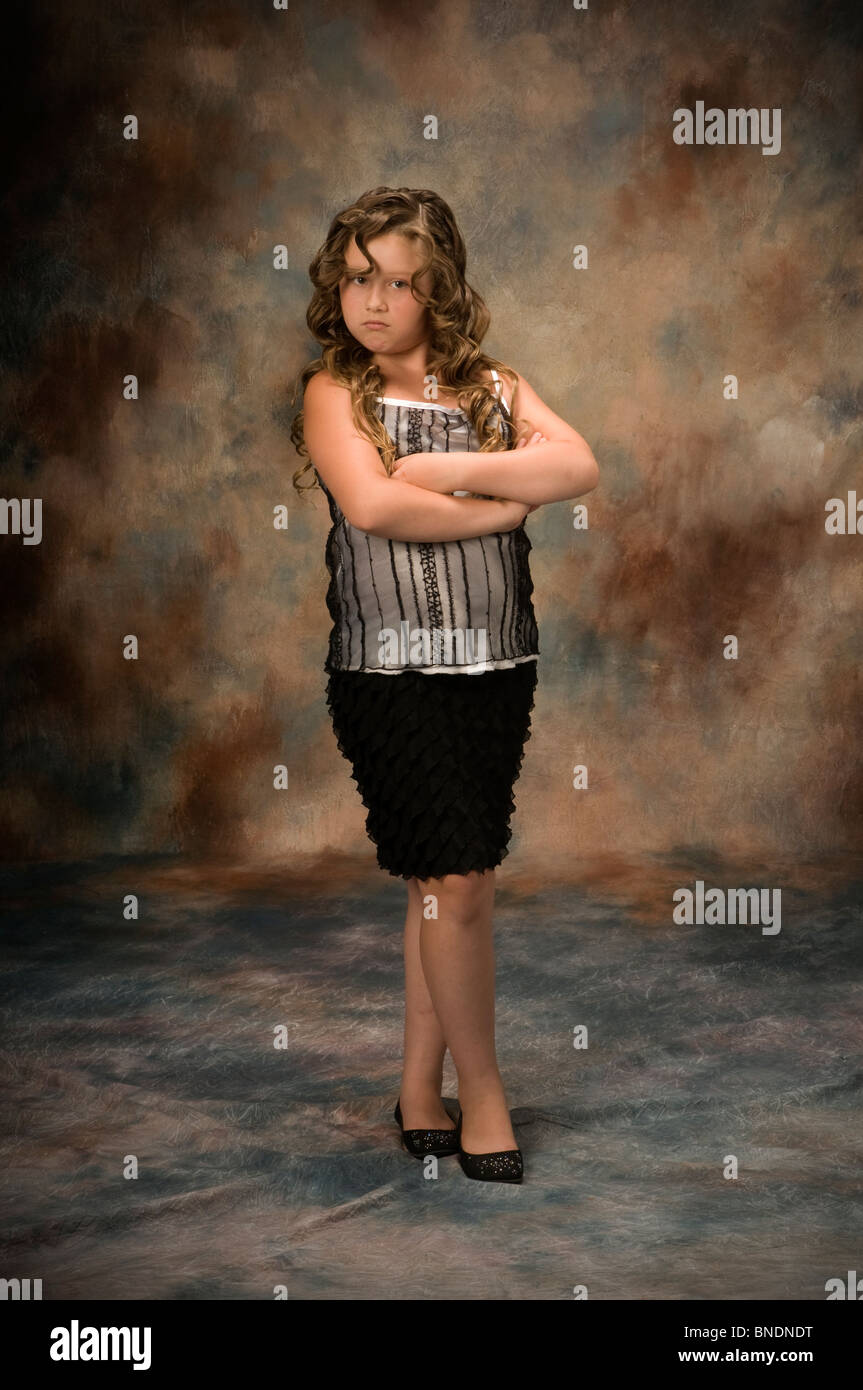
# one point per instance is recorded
(438, 606)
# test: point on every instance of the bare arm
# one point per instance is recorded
(560, 467)
(374, 502)
(553, 471)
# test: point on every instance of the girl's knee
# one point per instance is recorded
(460, 896)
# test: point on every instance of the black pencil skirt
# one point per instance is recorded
(435, 758)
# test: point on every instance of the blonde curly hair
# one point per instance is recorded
(458, 321)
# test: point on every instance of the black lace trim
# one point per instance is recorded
(426, 548)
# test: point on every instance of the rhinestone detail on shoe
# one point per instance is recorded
(426, 1139)
(506, 1166)
(423, 1141)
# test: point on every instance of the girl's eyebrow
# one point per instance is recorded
(390, 274)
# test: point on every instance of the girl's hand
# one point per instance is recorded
(431, 471)
(535, 438)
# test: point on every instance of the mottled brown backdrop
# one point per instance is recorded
(154, 257)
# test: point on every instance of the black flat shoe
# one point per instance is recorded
(421, 1142)
(506, 1165)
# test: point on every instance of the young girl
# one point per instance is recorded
(430, 464)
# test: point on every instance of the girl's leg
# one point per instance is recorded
(422, 1077)
(457, 954)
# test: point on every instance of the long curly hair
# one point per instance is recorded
(458, 322)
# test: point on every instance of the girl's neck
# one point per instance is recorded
(402, 391)
(413, 389)
(404, 376)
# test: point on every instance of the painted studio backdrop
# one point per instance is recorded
(658, 203)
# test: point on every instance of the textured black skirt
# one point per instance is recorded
(435, 758)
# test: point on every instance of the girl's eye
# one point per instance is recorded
(356, 278)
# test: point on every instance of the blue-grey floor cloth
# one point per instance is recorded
(260, 1166)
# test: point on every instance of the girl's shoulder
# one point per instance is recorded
(321, 381)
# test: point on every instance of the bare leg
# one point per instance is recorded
(424, 1046)
(457, 954)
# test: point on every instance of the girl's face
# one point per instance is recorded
(378, 307)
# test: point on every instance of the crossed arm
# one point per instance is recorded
(554, 465)
(415, 502)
